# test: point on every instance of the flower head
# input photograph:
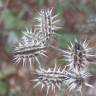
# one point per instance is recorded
(47, 23)
(50, 79)
(77, 54)
(29, 47)
(77, 79)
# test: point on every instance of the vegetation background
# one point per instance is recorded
(78, 21)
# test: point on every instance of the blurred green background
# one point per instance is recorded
(78, 21)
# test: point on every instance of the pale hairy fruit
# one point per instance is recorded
(78, 54)
(77, 79)
(47, 23)
(54, 78)
(50, 79)
(34, 43)
(29, 47)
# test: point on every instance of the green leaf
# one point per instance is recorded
(1, 75)
(58, 8)
(11, 21)
(65, 38)
(3, 87)
(84, 8)
(40, 2)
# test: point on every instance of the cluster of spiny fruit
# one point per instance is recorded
(34, 43)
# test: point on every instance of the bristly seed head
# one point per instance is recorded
(47, 23)
(34, 44)
(77, 79)
(77, 54)
(51, 78)
(29, 47)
